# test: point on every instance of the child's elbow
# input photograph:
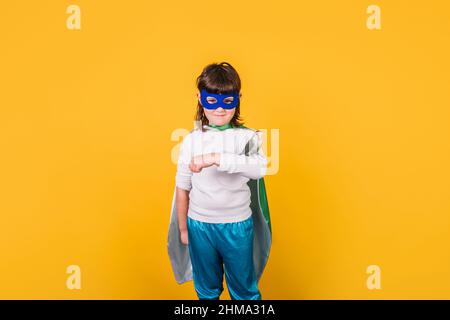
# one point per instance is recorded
(259, 172)
(263, 170)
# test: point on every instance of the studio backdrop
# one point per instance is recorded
(353, 100)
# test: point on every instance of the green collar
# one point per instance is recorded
(222, 127)
(225, 126)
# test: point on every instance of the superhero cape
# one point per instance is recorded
(262, 230)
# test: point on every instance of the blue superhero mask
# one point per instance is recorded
(220, 100)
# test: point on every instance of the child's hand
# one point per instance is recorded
(184, 237)
(204, 161)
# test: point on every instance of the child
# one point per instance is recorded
(215, 204)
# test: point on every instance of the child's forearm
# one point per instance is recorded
(182, 201)
(252, 164)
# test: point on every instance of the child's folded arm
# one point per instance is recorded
(253, 166)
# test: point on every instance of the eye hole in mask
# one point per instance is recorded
(228, 100)
(211, 99)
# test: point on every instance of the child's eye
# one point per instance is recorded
(228, 100)
(211, 99)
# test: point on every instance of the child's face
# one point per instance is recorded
(219, 116)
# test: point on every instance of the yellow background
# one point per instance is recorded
(87, 115)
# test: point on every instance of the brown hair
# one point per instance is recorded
(219, 78)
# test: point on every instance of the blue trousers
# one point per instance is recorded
(216, 248)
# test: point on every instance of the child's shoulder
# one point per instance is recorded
(188, 137)
(193, 134)
(250, 132)
(247, 129)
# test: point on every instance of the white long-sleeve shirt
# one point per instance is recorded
(220, 194)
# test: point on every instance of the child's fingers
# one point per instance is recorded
(184, 238)
(195, 167)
